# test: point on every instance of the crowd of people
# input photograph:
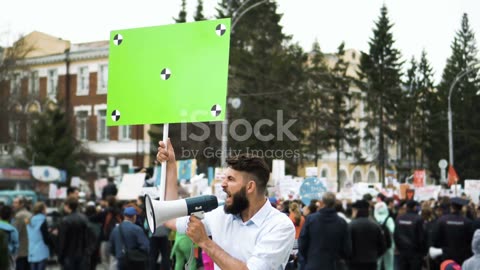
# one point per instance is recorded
(81, 235)
(246, 233)
(384, 233)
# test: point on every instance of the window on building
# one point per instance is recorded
(52, 81)
(102, 129)
(34, 84)
(14, 130)
(82, 81)
(15, 85)
(102, 79)
(82, 127)
(124, 168)
(324, 173)
(29, 128)
(103, 170)
(125, 132)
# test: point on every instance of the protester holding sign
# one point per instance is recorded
(248, 233)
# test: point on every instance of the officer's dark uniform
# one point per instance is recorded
(410, 238)
(453, 234)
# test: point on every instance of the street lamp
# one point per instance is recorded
(459, 76)
(235, 20)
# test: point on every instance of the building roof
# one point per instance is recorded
(46, 49)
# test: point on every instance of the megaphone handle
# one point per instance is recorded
(199, 215)
(163, 175)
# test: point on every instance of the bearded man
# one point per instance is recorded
(248, 233)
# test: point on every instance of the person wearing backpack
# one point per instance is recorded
(382, 216)
(410, 238)
(8, 239)
(129, 243)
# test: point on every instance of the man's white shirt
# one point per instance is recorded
(264, 242)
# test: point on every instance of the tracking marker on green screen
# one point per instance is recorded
(168, 74)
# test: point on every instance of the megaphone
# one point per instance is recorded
(158, 212)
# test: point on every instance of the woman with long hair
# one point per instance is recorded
(296, 217)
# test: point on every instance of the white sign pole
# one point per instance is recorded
(163, 176)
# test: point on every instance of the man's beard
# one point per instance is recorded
(239, 202)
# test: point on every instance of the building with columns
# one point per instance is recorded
(353, 170)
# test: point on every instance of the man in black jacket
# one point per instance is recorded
(324, 238)
(76, 239)
(110, 189)
(368, 243)
(453, 233)
(410, 238)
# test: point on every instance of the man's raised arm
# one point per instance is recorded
(171, 189)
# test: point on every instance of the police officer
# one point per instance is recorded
(453, 233)
(410, 238)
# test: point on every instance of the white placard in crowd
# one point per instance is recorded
(62, 193)
(426, 193)
(472, 189)
(75, 181)
(311, 171)
(278, 170)
(360, 189)
(52, 191)
(131, 186)
(99, 185)
(289, 187)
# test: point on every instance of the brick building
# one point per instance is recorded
(55, 71)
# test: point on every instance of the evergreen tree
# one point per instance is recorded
(314, 115)
(464, 105)
(199, 13)
(266, 73)
(53, 143)
(182, 15)
(424, 97)
(380, 79)
(337, 125)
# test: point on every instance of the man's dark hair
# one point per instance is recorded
(329, 199)
(339, 207)
(72, 203)
(71, 190)
(389, 200)
(312, 207)
(253, 165)
(6, 213)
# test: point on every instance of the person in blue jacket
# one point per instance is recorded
(38, 238)
(13, 243)
(133, 238)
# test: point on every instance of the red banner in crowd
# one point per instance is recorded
(452, 176)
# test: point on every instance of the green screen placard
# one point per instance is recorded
(168, 74)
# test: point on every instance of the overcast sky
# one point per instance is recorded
(418, 24)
